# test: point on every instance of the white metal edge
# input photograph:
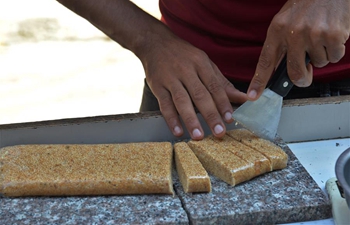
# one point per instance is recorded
(298, 123)
(315, 122)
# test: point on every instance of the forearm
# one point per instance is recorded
(122, 21)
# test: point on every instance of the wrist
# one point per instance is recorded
(153, 38)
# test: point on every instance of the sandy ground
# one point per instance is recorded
(54, 64)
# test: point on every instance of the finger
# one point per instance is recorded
(233, 94)
(322, 52)
(335, 44)
(318, 54)
(219, 94)
(299, 73)
(184, 107)
(335, 53)
(264, 69)
(169, 112)
(205, 104)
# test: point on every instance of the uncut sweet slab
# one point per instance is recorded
(132, 168)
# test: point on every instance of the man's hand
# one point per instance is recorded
(181, 77)
(317, 27)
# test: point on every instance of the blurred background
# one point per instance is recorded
(54, 64)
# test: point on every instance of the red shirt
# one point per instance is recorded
(232, 33)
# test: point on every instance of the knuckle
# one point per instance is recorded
(221, 106)
(336, 54)
(199, 94)
(315, 35)
(278, 23)
(214, 87)
(335, 58)
(319, 63)
(335, 37)
(179, 97)
(165, 104)
(189, 120)
(264, 61)
(318, 60)
(339, 33)
(227, 84)
(299, 28)
(199, 55)
(211, 117)
(259, 82)
(163, 97)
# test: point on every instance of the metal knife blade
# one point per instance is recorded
(262, 116)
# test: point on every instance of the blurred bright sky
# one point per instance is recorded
(74, 72)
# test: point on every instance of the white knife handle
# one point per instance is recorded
(340, 210)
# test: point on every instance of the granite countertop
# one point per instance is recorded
(284, 196)
(288, 195)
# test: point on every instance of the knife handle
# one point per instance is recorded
(281, 83)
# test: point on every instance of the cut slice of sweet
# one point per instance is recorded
(192, 175)
(260, 162)
(274, 153)
(221, 162)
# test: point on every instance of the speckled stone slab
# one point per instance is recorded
(288, 195)
(284, 196)
(143, 209)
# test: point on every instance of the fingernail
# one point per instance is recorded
(218, 129)
(196, 133)
(177, 130)
(228, 116)
(252, 94)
